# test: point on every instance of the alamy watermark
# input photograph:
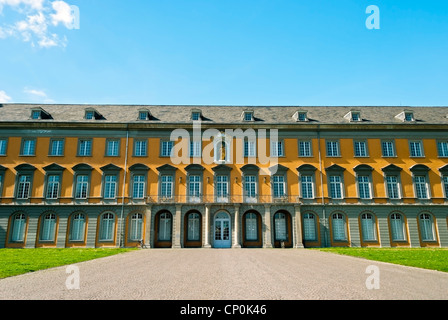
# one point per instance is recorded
(73, 281)
(373, 280)
(373, 20)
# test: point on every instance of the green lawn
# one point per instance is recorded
(17, 261)
(428, 258)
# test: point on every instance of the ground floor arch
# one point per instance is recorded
(193, 229)
(163, 226)
(282, 229)
(222, 230)
(252, 230)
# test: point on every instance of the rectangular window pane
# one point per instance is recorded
(195, 148)
(332, 148)
(277, 148)
(307, 187)
(387, 148)
(2, 147)
(360, 149)
(279, 186)
(112, 148)
(250, 186)
(335, 187)
(53, 187)
(364, 187)
(82, 184)
(415, 149)
(167, 187)
(57, 147)
(110, 186)
(304, 149)
(138, 187)
(392, 187)
(442, 148)
(28, 148)
(249, 148)
(420, 187)
(140, 148)
(23, 190)
(167, 147)
(85, 147)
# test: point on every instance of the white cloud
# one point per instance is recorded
(4, 98)
(39, 93)
(39, 17)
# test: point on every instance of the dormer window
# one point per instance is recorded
(196, 115)
(406, 116)
(144, 115)
(248, 116)
(353, 116)
(39, 113)
(301, 116)
(92, 114)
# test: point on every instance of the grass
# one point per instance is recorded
(18, 261)
(427, 258)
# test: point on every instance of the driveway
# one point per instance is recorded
(228, 274)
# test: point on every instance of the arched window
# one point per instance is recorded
(309, 227)
(165, 227)
(136, 227)
(193, 232)
(78, 223)
(427, 227)
(251, 226)
(368, 227)
(18, 227)
(107, 225)
(339, 229)
(281, 233)
(397, 227)
(48, 227)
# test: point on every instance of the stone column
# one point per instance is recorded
(267, 224)
(177, 226)
(298, 241)
(148, 232)
(236, 243)
(207, 227)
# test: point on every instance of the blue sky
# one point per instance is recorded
(224, 52)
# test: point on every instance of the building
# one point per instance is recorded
(111, 175)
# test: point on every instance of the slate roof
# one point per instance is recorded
(223, 114)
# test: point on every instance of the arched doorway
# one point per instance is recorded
(282, 230)
(193, 230)
(163, 230)
(222, 230)
(252, 230)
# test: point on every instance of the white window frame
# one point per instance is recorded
(193, 227)
(251, 226)
(364, 186)
(307, 186)
(82, 186)
(397, 227)
(77, 228)
(360, 148)
(421, 187)
(166, 148)
(333, 148)
(442, 148)
(28, 147)
(140, 148)
(56, 147)
(305, 148)
(112, 147)
(335, 186)
(85, 147)
(393, 187)
(416, 149)
(222, 188)
(138, 186)
(47, 232)
(167, 186)
(18, 227)
(195, 149)
(427, 230)
(309, 227)
(368, 227)
(339, 227)
(3, 146)
(136, 227)
(250, 148)
(277, 149)
(110, 186)
(24, 186)
(107, 227)
(388, 148)
(53, 186)
(278, 186)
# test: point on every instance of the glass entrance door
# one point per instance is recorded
(222, 231)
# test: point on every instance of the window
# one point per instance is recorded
(222, 188)
(426, 227)
(415, 149)
(442, 148)
(138, 186)
(445, 185)
(309, 227)
(392, 187)
(338, 227)
(28, 147)
(136, 227)
(335, 187)
(277, 149)
(194, 227)
(24, 187)
(82, 186)
(360, 148)
(194, 187)
(301, 116)
(250, 187)
(249, 149)
(195, 116)
(56, 147)
(143, 115)
(304, 148)
(167, 148)
(48, 227)
(78, 223)
(107, 225)
(332, 149)
(248, 116)
(195, 148)
(388, 148)
(281, 233)
(421, 189)
(364, 187)
(112, 147)
(35, 114)
(279, 186)
(110, 186)
(85, 147)
(89, 115)
(356, 116)
(307, 186)
(251, 233)
(3, 143)
(408, 116)
(164, 232)
(53, 184)
(397, 227)
(140, 148)
(167, 186)
(18, 227)
(368, 227)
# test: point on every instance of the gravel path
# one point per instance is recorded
(227, 274)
